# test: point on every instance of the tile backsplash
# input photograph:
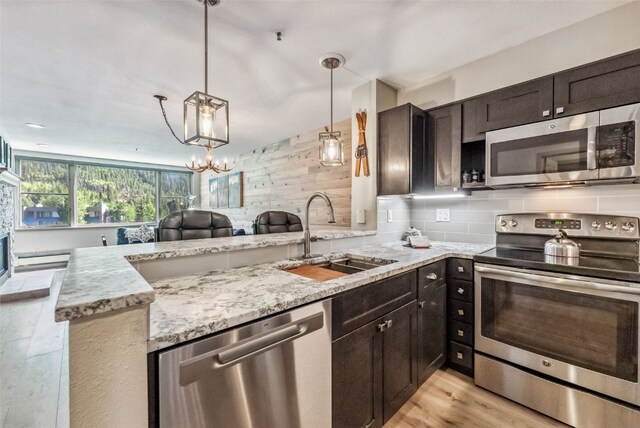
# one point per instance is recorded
(472, 219)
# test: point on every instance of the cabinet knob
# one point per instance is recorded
(546, 113)
(560, 110)
(421, 304)
(432, 276)
(460, 290)
(389, 323)
(459, 356)
(461, 312)
(382, 326)
(460, 269)
(460, 333)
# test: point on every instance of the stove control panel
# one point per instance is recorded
(558, 223)
(578, 225)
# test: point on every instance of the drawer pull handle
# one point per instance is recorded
(459, 355)
(560, 110)
(461, 312)
(546, 113)
(460, 290)
(460, 269)
(460, 333)
(432, 276)
(421, 304)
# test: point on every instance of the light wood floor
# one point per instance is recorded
(450, 399)
(34, 362)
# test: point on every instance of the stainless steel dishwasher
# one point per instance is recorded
(275, 372)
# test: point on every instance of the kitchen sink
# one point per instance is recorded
(331, 269)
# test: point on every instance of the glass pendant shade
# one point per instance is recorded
(206, 120)
(331, 153)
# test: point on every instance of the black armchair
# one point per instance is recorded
(194, 224)
(277, 222)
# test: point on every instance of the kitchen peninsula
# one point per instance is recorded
(153, 303)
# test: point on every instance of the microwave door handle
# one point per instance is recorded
(591, 149)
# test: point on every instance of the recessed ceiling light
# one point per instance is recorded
(44, 146)
(34, 125)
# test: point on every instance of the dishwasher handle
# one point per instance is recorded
(191, 369)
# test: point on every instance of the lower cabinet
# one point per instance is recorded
(375, 370)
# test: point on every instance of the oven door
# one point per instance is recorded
(572, 328)
(619, 142)
(546, 152)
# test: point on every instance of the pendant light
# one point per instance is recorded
(331, 152)
(206, 117)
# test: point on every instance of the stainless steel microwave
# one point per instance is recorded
(593, 146)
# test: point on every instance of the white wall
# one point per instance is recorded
(601, 36)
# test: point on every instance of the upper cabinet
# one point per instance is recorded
(402, 167)
(516, 105)
(444, 138)
(608, 83)
(470, 131)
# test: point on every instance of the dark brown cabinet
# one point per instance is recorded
(444, 139)
(357, 378)
(432, 327)
(470, 131)
(374, 351)
(515, 105)
(608, 83)
(460, 315)
(402, 167)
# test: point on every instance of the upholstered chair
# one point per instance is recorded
(194, 224)
(277, 222)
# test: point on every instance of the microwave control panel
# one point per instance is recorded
(558, 223)
(616, 144)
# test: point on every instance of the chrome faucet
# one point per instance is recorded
(307, 233)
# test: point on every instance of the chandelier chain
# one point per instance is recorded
(164, 114)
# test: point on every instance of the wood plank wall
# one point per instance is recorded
(281, 176)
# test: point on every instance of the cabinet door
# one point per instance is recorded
(400, 358)
(609, 83)
(401, 156)
(444, 139)
(357, 379)
(470, 123)
(516, 105)
(432, 330)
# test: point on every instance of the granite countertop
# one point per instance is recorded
(102, 279)
(192, 306)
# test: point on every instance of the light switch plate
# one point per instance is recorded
(442, 214)
(389, 216)
(360, 216)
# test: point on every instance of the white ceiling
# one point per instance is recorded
(87, 70)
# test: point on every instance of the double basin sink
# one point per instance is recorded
(331, 269)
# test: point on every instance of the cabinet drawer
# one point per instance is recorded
(461, 269)
(461, 332)
(460, 290)
(358, 307)
(431, 275)
(461, 311)
(461, 355)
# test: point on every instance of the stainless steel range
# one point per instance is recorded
(560, 334)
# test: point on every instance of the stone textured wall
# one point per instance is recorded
(7, 216)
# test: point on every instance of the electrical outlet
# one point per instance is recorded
(360, 216)
(389, 216)
(442, 214)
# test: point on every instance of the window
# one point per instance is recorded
(44, 197)
(175, 188)
(101, 194)
(115, 195)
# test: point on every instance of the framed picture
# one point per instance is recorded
(213, 193)
(235, 190)
(223, 191)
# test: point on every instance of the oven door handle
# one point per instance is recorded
(510, 274)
